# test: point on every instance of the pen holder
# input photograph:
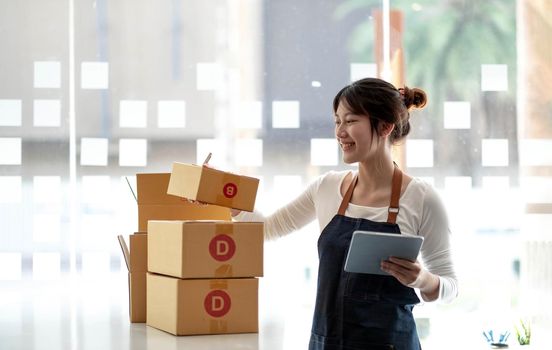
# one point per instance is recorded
(497, 339)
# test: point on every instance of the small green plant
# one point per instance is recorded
(523, 334)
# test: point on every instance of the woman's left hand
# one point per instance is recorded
(406, 271)
(411, 274)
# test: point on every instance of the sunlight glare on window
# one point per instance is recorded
(496, 183)
(419, 153)
(95, 75)
(133, 152)
(457, 115)
(285, 187)
(10, 151)
(210, 76)
(133, 114)
(11, 266)
(494, 152)
(535, 152)
(10, 189)
(363, 70)
(536, 189)
(96, 189)
(46, 266)
(324, 152)
(93, 151)
(47, 74)
(47, 189)
(171, 114)
(10, 112)
(458, 183)
(250, 115)
(249, 152)
(285, 114)
(47, 113)
(46, 228)
(494, 77)
(93, 235)
(95, 264)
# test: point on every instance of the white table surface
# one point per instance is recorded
(92, 313)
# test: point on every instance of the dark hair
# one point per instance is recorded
(382, 102)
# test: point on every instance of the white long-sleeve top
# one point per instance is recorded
(421, 213)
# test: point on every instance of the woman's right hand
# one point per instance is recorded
(234, 212)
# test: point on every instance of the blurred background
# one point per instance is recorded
(93, 92)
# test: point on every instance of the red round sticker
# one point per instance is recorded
(217, 303)
(222, 247)
(230, 190)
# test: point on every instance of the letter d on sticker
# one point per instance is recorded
(222, 247)
(217, 303)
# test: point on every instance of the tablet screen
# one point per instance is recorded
(368, 249)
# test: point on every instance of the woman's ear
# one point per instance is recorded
(385, 129)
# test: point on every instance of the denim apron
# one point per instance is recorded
(354, 310)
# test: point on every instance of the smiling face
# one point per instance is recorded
(354, 135)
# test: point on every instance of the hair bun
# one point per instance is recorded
(414, 98)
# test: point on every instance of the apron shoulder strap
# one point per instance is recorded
(393, 210)
(347, 196)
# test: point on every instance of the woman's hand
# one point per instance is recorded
(233, 212)
(193, 201)
(411, 274)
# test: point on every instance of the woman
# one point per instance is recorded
(362, 311)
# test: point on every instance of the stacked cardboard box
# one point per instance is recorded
(155, 204)
(137, 264)
(202, 274)
(213, 186)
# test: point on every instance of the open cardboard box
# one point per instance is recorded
(213, 186)
(205, 249)
(202, 306)
(155, 204)
(137, 262)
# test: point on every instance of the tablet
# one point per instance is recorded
(368, 249)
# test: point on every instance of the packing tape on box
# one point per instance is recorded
(219, 307)
(224, 271)
(224, 228)
(231, 184)
(218, 326)
(218, 284)
(227, 228)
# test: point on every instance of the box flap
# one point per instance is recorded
(182, 211)
(131, 189)
(138, 252)
(152, 189)
(184, 180)
(124, 248)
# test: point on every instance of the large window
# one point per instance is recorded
(94, 92)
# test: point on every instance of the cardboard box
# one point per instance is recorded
(137, 262)
(205, 249)
(202, 306)
(155, 204)
(213, 186)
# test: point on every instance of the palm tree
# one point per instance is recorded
(445, 44)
